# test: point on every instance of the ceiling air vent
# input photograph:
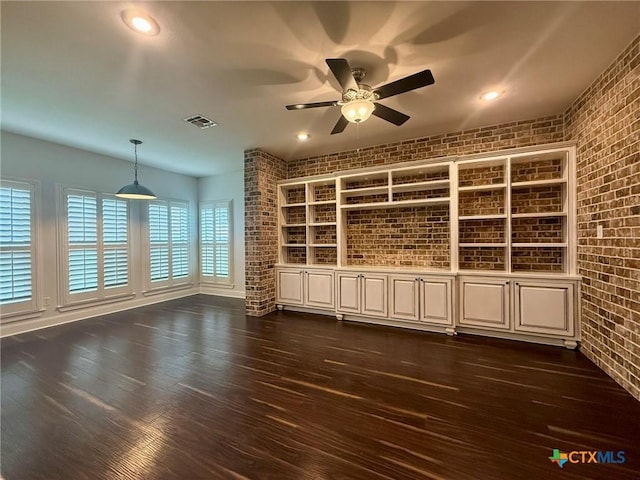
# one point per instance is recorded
(200, 121)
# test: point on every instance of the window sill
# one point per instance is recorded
(94, 302)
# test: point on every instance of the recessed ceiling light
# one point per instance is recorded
(492, 95)
(303, 136)
(140, 22)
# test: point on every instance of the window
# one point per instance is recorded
(168, 224)
(17, 247)
(215, 242)
(96, 245)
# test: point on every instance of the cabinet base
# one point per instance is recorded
(280, 307)
(339, 316)
(451, 331)
(521, 337)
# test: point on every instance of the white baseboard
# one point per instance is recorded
(221, 292)
(24, 326)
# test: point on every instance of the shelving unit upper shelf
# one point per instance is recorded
(510, 211)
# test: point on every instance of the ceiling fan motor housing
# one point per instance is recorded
(364, 92)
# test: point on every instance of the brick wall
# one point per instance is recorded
(477, 140)
(261, 172)
(605, 123)
(417, 236)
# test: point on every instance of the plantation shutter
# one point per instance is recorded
(179, 241)
(15, 242)
(215, 241)
(82, 237)
(158, 241)
(206, 242)
(114, 240)
(221, 238)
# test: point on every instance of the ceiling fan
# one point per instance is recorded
(359, 100)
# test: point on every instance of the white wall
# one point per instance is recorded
(229, 186)
(52, 164)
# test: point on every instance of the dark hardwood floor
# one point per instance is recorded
(193, 388)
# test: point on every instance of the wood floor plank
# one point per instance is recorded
(193, 388)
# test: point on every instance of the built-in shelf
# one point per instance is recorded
(539, 183)
(491, 196)
(359, 192)
(397, 203)
(308, 222)
(538, 215)
(483, 217)
(474, 188)
(294, 205)
(539, 245)
(418, 186)
(483, 245)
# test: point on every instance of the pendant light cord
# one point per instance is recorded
(135, 165)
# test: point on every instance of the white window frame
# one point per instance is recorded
(215, 279)
(69, 300)
(33, 306)
(157, 286)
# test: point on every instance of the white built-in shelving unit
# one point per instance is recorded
(511, 223)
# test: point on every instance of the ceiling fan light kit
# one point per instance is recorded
(358, 111)
(359, 101)
(134, 190)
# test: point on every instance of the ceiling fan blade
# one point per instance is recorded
(342, 71)
(406, 84)
(300, 106)
(389, 114)
(341, 124)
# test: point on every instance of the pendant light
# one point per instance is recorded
(135, 190)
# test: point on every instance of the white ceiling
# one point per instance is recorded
(73, 73)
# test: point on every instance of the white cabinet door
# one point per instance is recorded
(435, 300)
(544, 307)
(484, 302)
(374, 295)
(348, 286)
(403, 297)
(289, 285)
(318, 288)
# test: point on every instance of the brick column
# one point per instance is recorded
(261, 172)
